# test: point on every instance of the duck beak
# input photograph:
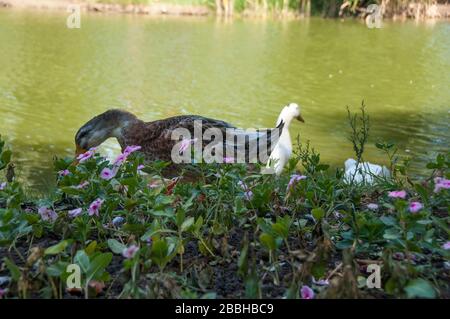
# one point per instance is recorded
(79, 150)
(300, 118)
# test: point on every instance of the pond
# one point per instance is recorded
(53, 79)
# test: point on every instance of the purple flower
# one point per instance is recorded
(108, 173)
(130, 252)
(85, 156)
(47, 214)
(75, 212)
(307, 293)
(130, 149)
(248, 194)
(372, 206)
(2, 292)
(95, 206)
(320, 282)
(397, 194)
(140, 168)
(294, 179)
(120, 159)
(414, 207)
(2, 186)
(441, 183)
(185, 143)
(446, 245)
(228, 160)
(82, 185)
(64, 172)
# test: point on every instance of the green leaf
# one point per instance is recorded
(56, 249)
(91, 247)
(82, 260)
(388, 220)
(6, 156)
(281, 229)
(98, 265)
(13, 269)
(159, 252)
(116, 246)
(318, 213)
(391, 233)
(187, 224)
(268, 241)
(420, 288)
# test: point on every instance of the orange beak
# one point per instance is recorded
(300, 118)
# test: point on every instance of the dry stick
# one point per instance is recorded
(334, 271)
(368, 261)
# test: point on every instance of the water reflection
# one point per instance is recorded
(54, 79)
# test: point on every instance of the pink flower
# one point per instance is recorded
(75, 212)
(154, 184)
(120, 159)
(185, 143)
(85, 156)
(294, 179)
(2, 186)
(307, 293)
(2, 292)
(130, 252)
(228, 160)
(108, 173)
(47, 214)
(372, 206)
(82, 185)
(131, 149)
(95, 206)
(446, 245)
(64, 172)
(441, 183)
(397, 194)
(414, 207)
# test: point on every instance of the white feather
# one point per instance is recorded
(365, 172)
(283, 149)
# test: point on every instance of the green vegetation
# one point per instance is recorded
(325, 8)
(232, 233)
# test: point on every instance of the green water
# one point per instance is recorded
(53, 79)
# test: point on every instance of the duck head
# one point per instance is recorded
(103, 126)
(290, 112)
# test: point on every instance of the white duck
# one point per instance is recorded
(283, 149)
(365, 172)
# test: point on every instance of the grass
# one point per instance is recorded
(213, 238)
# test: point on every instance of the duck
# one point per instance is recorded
(364, 172)
(283, 148)
(156, 137)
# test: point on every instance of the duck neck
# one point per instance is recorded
(285, 137)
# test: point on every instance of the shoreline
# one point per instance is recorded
(441, 12)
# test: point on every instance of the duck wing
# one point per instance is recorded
(161, 136)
